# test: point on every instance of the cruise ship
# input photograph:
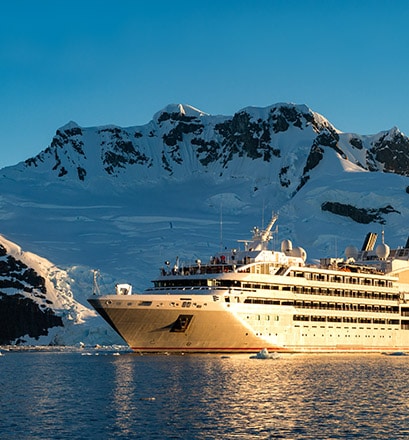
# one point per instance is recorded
(243, 301)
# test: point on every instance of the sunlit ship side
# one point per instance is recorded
(247, 300)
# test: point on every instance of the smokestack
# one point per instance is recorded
(370, 241)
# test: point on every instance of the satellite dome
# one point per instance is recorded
(382, 251)
(351, 252)
(299, 252)
(286, 246)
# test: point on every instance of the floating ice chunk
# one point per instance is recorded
(264, 354)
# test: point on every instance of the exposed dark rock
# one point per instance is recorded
(208, 151)
(32, 161)
(280, 123)
(121, 153)
(175, 116)
(20, 316)
(176, 134)
(74, 131)
(359, 215)
(330, 138)
(81, 173)
(393, 152)
(327, 138)
(285, 115)
(166, 164)
(313, 159)
(243, 137)
(115, 132)
(304, 179)
(357, 143)
(57, 160)
(175, 155)
(284, 181)
(62, 172)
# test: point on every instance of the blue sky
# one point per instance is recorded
(119, 62)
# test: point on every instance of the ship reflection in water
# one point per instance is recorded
(295, 396)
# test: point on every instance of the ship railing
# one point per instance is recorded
(185, 289)
(202, 269)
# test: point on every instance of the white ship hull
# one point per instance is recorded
(178, 323)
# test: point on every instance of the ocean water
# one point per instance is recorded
(69, 395)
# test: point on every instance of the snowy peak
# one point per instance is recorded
(178, 111)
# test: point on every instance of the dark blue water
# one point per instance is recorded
(71, 396)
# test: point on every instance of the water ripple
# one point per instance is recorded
(65, 395)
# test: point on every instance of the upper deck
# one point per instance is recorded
(379, 267)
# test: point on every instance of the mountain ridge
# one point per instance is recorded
(176, 143)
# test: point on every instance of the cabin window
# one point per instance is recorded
(318, 318)
(301, 318)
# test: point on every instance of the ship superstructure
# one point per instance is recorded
(254, 298)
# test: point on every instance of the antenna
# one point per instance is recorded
(95, 287)
(221, 226)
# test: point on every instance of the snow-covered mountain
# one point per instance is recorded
(37, 304)
(123, 200)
